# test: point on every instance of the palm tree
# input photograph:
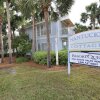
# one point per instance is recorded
(30, 7)
(91, 13)
(9, 31)
(45, 6)
(1, 39)
(7, 2)
(80, 28)
(98, 13)
(29, 10)
(63, 7)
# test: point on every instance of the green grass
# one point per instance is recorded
(27, 83)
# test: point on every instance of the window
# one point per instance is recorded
(64, 43)
(44, 46)
(39, 47)
(38, 30)
(63, 25)
(43, 29)
(64, 29)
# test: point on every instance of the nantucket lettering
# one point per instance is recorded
(85, 41)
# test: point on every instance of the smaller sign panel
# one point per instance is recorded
(85, 58)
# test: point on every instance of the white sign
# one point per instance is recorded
(85, 41)
(85, 58)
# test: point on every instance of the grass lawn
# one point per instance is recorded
(28, 83)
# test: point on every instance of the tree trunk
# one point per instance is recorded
(2, 50)
(13, 34)
(12, 39)
(46, 16)
(0, 45)
(93, 22)
(9, 32)
(1, 41)
(33, 36)
(93, 26)
(22, 30)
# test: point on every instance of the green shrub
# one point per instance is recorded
(21, 59)
(63, 56)
(40, 57)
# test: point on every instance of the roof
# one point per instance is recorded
(68, 22)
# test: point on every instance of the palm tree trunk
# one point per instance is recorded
(0, 34)
(9, 32)
(93, 25)
(93, 21)
(2, 50)
(33, 36)
(46, 16)
(1, 41)
(12, 39)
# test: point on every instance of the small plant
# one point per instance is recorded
(21, 59)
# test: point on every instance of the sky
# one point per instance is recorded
(78, 8)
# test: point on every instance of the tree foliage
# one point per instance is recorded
(22, 44)
(80, 28)
(92, 14)
(35, 10)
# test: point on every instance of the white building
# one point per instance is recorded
(58, 29)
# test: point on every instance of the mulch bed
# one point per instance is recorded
(31, 64)
(6, 64)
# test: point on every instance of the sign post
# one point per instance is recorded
(68, 55)
(56, 49)
(68, 58)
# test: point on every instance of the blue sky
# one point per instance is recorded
(78, 8)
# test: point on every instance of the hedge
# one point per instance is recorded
(21, 59)
(63, 57)
(40, 57)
